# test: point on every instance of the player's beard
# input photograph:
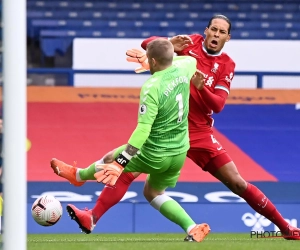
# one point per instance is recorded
(210, 51)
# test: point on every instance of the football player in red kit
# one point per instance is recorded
(208, 95)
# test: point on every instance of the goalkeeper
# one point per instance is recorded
(158, 146)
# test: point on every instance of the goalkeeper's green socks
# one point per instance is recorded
(87, 173)
(173, 211)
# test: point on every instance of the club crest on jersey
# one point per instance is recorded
(215, 68)
(209, 81)
(142, 109)
(229, 79)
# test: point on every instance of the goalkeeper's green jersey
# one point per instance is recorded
(163, 110)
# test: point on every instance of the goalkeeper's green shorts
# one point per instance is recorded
(162, 172)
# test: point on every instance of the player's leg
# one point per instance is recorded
(109, 196)
(154, 192)
(78, 176)
(229, 175)
(88, 173)
(210, 156)
(66, 171)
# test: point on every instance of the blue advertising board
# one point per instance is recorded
(212, 203)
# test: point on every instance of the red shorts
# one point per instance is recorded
(208, 153)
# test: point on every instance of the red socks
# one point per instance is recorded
(252, 195)
(261, 204)
(110, 196)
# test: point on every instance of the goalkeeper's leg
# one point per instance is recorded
(78, 176)
(172, 210)
(154, 192)
(88, 173)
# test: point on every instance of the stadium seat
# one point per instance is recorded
(261, 34)
(58, 19)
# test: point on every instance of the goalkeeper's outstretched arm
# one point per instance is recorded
(138, 56)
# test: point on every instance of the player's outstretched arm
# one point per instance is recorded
(148, 40)
(138, 56)
(135, 55)
(180, 42)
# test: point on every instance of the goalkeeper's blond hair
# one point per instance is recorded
(162, 51)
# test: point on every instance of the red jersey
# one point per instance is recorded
(218, 71)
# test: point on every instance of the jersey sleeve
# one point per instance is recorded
(148, 40)
(226, 77)
(148, 110)
(188, 63)
(148, 103)
(140, 135)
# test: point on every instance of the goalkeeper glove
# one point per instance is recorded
(137, 56)
(109, 173)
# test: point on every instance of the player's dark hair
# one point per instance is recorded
(218, 16)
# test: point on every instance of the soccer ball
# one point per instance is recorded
(46, 210)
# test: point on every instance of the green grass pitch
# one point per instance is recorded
(154, 241)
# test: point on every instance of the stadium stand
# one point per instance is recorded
(52, 25)
(61, 21)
